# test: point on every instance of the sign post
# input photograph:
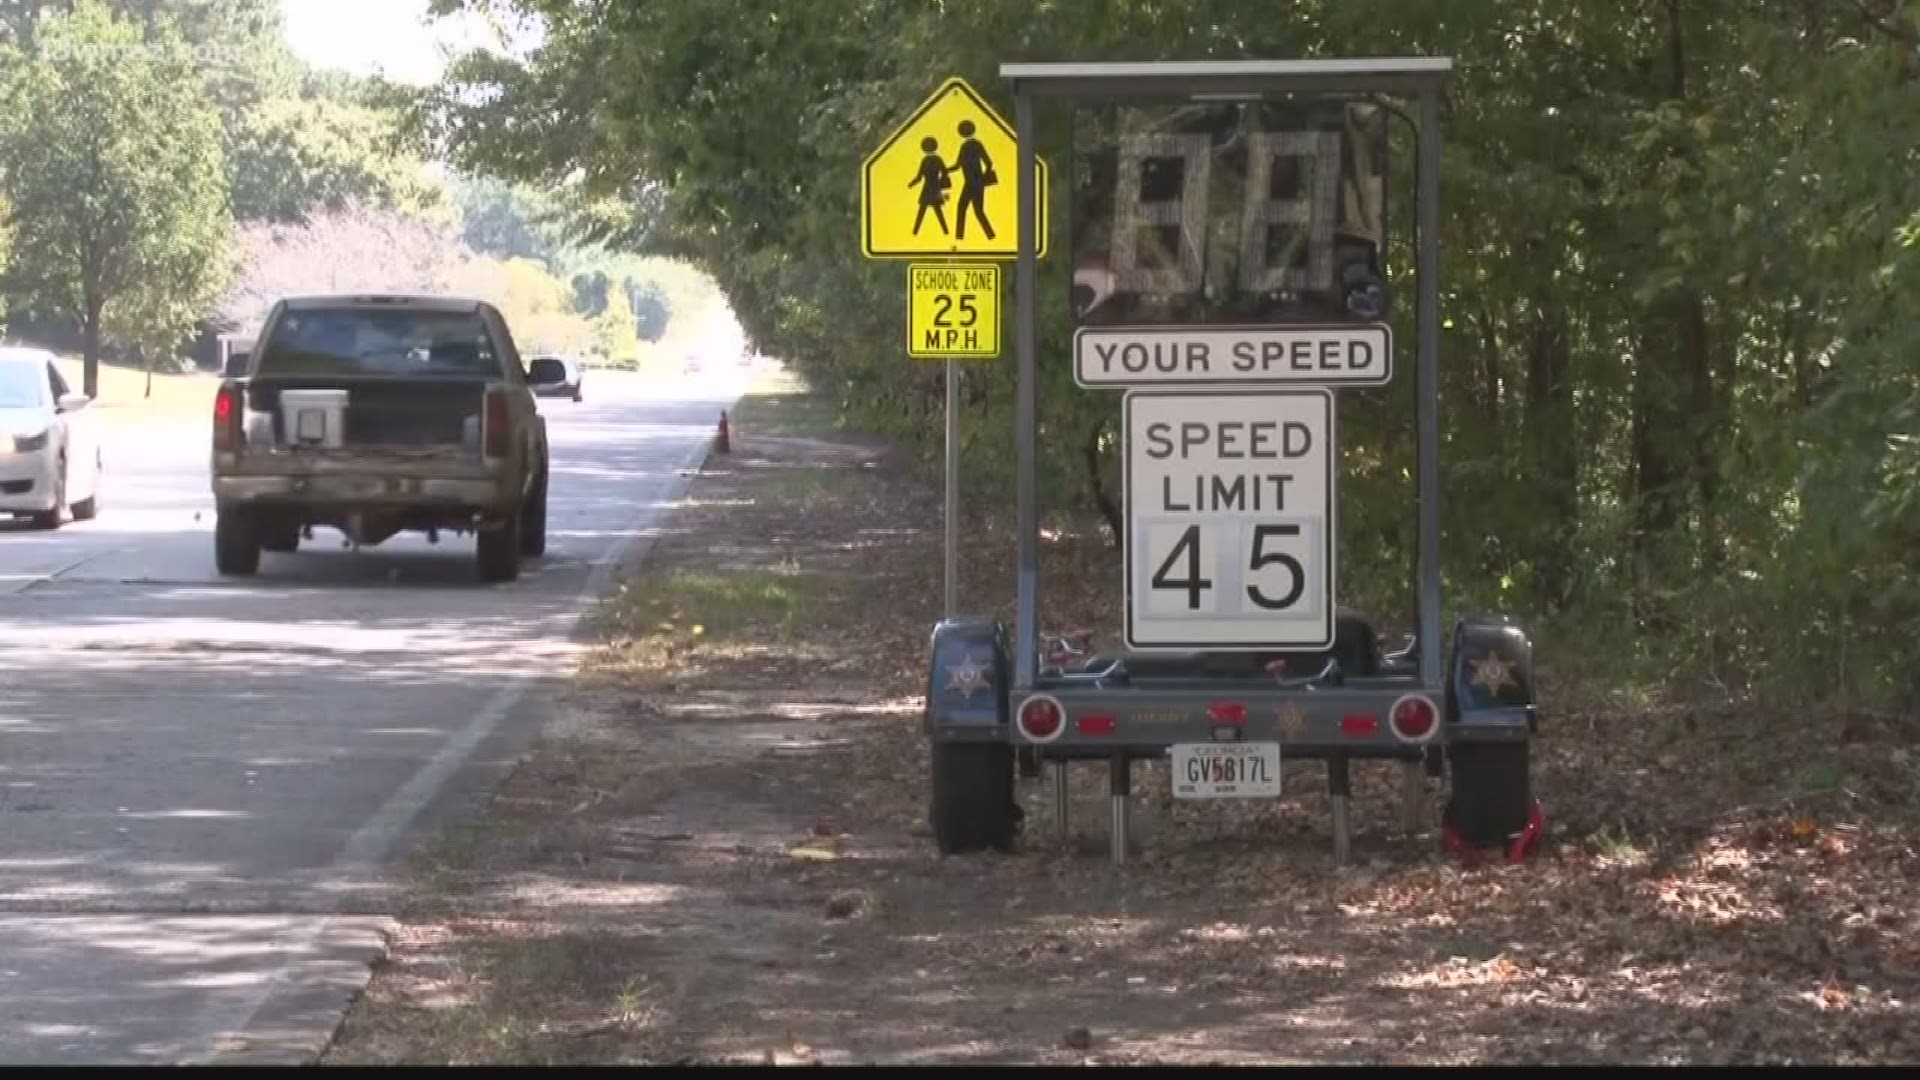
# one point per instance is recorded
(933, 190)
(953, 311)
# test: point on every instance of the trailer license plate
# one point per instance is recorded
(1226, 770)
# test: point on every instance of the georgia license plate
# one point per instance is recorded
(1226, 770)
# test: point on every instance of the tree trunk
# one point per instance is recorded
(1656, 504)
(90, 348)
(1552, 447)
(1489, 389)
(1703, 400)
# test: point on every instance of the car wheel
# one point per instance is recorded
(51, 519)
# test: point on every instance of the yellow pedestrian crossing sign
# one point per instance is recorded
(944, 183)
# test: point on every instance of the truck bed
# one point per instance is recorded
(392, 413)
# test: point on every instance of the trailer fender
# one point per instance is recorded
(1490, 692)
(967, 680)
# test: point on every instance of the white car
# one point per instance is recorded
(49, 450)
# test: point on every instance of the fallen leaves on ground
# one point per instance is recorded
(1695, 901)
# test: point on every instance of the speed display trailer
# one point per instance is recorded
(1229, 244)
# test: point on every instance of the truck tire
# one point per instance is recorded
(1491, 794)
(498, 551)
(236, 543)
(973, 800)
(533, 520)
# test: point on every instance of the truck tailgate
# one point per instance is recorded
(450, 462)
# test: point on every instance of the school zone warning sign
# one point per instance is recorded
(945, 183)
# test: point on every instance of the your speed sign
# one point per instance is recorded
(1230, 524)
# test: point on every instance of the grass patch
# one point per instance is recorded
(807, 488)
(691, 606)
(124, 389)
(784, 412)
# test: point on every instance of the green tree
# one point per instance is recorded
(295, 155)
(618, 336)
(508, 220)
(6, 251)
(590, 293)
(651, 308)
(1682, 268)
(111, 158)
(238, 47)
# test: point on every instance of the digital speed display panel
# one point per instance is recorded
(1241, 212)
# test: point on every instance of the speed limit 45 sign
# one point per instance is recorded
(1230, 526)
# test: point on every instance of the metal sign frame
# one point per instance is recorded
(1470, 717)
(1418, 77)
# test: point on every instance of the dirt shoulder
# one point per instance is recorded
(719, 853)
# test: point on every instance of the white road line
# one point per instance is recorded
(373, 840)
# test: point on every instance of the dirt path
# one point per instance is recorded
(720, 855)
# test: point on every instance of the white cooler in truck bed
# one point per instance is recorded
(316, 418)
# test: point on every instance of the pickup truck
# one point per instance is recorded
(375, 415)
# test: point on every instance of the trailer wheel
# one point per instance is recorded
(1490, 803)
(973, 801)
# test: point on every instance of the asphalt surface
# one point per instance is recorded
(204, 781)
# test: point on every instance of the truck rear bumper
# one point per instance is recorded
(396, 492)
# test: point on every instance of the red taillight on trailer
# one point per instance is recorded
(1359, 723)
(1227, 712)
(227, 407)
(1413, 718)
(1041, 718)
(1095, 724)
(495, 425)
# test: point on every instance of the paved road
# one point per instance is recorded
(201, 779)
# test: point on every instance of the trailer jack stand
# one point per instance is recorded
(1337, 789)
(1413, 797)
(1121, 786)
(1060, 801)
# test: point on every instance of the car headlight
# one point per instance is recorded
(25, 444)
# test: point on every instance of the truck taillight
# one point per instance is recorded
(227, 407)
(495, 433)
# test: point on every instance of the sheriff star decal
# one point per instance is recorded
(1493, 672)
(969, 676)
